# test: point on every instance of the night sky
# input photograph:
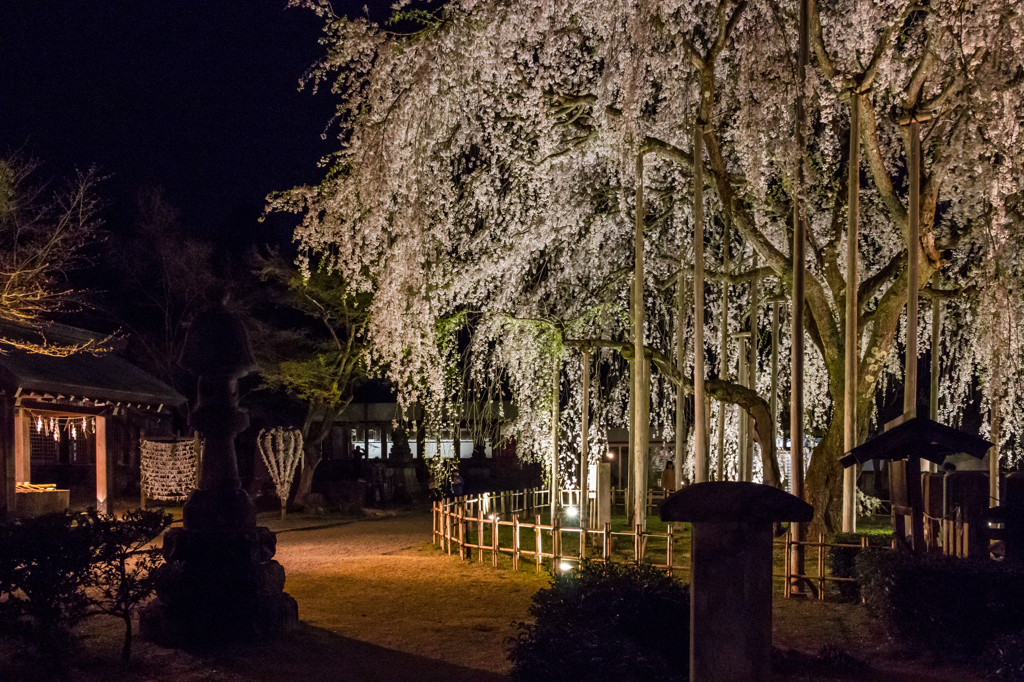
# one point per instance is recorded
(198, 97)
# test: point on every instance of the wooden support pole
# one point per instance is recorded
(584, 449)
(553, 490)
(699, 406)
(796, 399)
(680, 451)
(639, 473)
(755, 303)
(773, 403)
(852, 327)
(104, 469)
(22, 446)
(913, 477)
(723, 354)
(933, 383)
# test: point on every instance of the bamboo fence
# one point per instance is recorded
(472, 526)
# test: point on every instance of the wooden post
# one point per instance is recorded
(480, 534)
(699, 407)
(462, 528)
(539, 541)
(515, 543)
(723, 355)
(553, 494)
(606, 542)
(774, 398)
(933, 392)
(680, 453)
(796, 404)
(584, 450)
(556, 546)
(494, 541)
(741, 376)
(104, 469)
(668, 549)
(641, 388)
(22, 446)
(852, 315)
(748, 474)
(913, 477)
(7, 458)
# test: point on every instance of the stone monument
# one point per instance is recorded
(220, 583)
(731, 574)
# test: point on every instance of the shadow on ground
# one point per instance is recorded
(311, 654)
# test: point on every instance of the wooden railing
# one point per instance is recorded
(472, 525)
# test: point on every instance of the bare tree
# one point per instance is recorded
(42, 231)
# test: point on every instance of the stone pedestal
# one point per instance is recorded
(731, 574)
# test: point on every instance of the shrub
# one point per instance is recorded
(830, 661)
(1004, 659)
(842, 560)
(124, 569)
(606, 621)
(943, 603)
(45, 565)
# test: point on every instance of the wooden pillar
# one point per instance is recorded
(852, 315)
(584, 450)
(796, 398)
(7, 475)
(680, 453)
(22, 446)
(933, 384)
(910, 372)
(555, 494)
(755, 304)
(699, 405)
(642, 387)
(104, 469)
(723, 354)
(773, 402)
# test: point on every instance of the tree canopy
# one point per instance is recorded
(486, 167)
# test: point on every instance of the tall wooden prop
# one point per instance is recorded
(773, 403)
(554, 490)
(641, 387)
(910, 371)
(796, 399)
(680, 455)
(699, 404)
(584, 450)
(723, 356)
(755, 303)
(933, 379)
(852, 329)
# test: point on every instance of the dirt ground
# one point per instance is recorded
(379, 604)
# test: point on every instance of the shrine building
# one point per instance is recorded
(70, 424)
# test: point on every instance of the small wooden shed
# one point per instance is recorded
(57, 411)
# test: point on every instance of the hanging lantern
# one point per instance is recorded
(39, 424)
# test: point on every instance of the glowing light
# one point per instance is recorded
(564, 567)
(611, 455)
(571, 511)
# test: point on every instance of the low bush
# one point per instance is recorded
(45, 562)
(942, 603)
(842, 560)
(606, 621)
(1004, 659)
(59, 568)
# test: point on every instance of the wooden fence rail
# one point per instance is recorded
(462, 524)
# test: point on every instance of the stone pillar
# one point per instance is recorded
(222, 584)
(731, 574)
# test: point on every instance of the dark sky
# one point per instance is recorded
(199, 97)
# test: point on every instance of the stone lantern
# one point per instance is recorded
(731, 574)
(220, 583)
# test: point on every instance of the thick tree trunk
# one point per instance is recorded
(313, 434)
(824, 481)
